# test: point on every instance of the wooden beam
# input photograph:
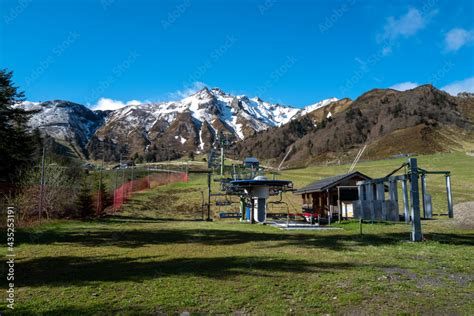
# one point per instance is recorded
(328, 197)
(339, 202)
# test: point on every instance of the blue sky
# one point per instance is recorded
(291, 52)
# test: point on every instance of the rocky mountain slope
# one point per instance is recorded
(162, 130)
(390, 122)
(69, 124)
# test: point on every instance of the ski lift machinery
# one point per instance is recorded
(257, 191)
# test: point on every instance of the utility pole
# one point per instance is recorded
(41, 185)
(209, 219)
(415, 195)
(99, 195)
(133, 168)
(169, 174)
(187, 171)
(115, 186)
(423, 193)
(449, 195)
(123, 180)
(222, 159)
(123, 172)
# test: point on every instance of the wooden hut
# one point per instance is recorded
(333, 195)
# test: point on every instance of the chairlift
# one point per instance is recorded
(282, 205)
(225, 202)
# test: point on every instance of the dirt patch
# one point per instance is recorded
(402, 275)
(433, 277)
(189, 209)
(464, 214)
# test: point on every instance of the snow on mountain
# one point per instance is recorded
(209, 105)
(67, 122)
(318, 105)
(194, 123)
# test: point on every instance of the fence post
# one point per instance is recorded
(133, 168)
(99, 193)
(209, 197)
(115, 191)
(41, 185)
(148, 176)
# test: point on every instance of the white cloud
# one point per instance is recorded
(405, 26)
(457, 38)
(466, 85)
(109, 104)
(402, 86)
(187, 91)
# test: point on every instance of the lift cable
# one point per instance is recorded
(396, 170)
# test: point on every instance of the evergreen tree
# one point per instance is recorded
(84, 203)
(102, 198)
(17, 145)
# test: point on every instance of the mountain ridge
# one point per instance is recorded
(422, 120)
(390, 122)
(192, 124)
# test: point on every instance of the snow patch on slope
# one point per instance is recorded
(318, 105)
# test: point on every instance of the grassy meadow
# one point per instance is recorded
(156, 257)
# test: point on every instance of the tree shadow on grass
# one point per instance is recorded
(89, 309)
(125, 237)
(134, 238)
(454, 239)
(118, 232)
(145, 219)
(69, 270)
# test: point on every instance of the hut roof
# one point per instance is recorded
(327, 183)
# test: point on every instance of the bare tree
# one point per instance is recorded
(58, 191)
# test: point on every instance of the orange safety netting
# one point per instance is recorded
(123, 193)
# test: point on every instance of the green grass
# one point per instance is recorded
(144, 266)
(153, 258)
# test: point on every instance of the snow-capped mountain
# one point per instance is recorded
(195, 123)
(69, 123)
